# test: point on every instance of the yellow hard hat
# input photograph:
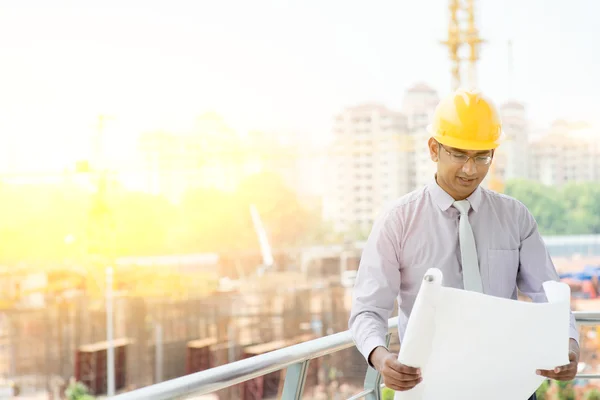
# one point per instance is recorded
(467, 120)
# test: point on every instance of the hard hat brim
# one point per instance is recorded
(465, 144)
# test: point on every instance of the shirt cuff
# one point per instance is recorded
(574, 334)
(370, 344)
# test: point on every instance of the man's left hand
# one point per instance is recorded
(564, 372)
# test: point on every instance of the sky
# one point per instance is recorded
(284, 66)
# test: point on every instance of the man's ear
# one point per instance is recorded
(434, 149)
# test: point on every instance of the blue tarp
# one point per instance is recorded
(588, 272)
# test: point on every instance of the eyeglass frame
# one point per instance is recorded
(453, 156)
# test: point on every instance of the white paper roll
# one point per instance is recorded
(475, 346)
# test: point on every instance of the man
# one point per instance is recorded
(494, 249)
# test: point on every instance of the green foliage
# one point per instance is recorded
(78, 391)
(37, 219)
(565, 390)
(541, 392)
(593, 394)
(387, 394)
(572, 209)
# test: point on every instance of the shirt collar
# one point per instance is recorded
(444, 201)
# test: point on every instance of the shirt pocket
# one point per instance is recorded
(503, 266)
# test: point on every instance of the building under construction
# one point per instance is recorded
(163, 337)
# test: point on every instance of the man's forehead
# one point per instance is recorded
(476, 152)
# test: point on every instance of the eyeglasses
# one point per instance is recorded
(462, 158)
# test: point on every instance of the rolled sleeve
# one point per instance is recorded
(376, 287)
(537, 266)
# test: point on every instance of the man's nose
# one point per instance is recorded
(469, 167)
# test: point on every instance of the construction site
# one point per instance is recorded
(163, 337)
(164, 317)
(156, 338)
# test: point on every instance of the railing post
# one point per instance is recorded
(372, 383)
(373, 379)
(295, 377)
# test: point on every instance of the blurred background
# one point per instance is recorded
(191, 183)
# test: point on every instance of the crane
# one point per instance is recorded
(463, 31)
(265, 247)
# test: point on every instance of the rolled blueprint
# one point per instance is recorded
(475, 346)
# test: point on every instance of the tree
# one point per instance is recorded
(541, 392)
(78, 391)
(565, 390)
(593, 394)
(572, 209)
(583, 207)
(286, 220)
(545, 204)
(38, 219)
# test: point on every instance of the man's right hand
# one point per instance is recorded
(395, 375)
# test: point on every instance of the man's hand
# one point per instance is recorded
(395, 375)
(564, 372)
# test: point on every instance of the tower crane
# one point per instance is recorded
(463, 31)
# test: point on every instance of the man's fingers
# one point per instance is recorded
(548, 373)
(404, 369)
(558, 372)
(396, 372)
(398, 376)
(402, 384)
(403, 381)
(399, 388)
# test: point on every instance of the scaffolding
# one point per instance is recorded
(160, 338)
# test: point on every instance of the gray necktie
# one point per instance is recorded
(468, 251)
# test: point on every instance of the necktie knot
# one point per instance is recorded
(463, 206)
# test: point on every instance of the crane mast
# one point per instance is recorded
(463, 33)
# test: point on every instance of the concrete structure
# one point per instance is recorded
(372, 163)
(419, 105)
(377, 156)
(368, 166)
(566, 154)
(515, 150)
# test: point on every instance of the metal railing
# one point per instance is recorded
(296, 359)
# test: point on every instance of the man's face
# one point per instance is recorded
(459, 171)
